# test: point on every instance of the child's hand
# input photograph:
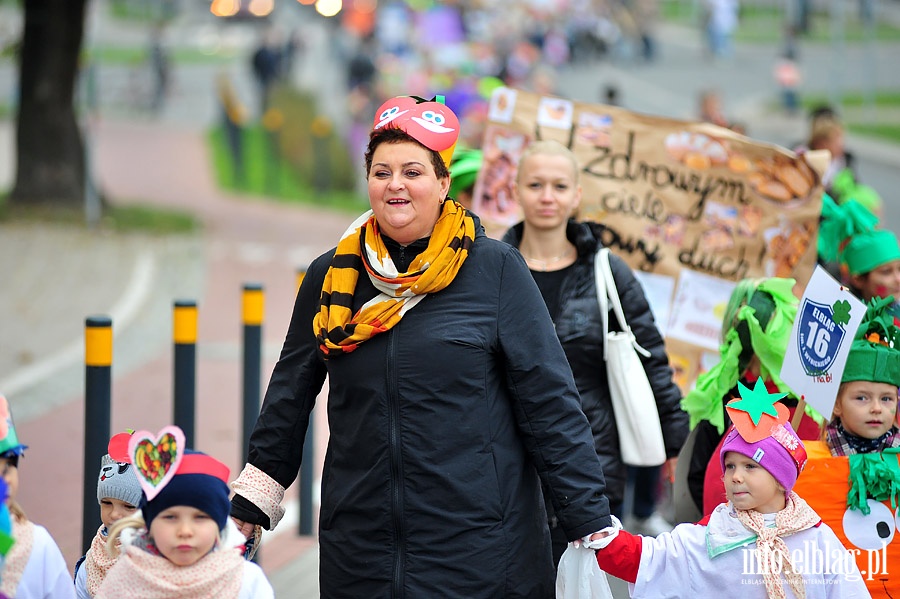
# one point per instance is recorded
(245, 527)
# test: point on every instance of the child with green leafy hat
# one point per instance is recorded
(865, 411)
(756, 328)
(855, 468)
(872, 262)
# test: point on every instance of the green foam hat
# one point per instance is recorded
(875, 351)
(867, 251)
(464, 170)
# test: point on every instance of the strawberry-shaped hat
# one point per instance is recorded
(429, 122)
(762, 433)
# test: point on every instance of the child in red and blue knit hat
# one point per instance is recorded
(186, 545)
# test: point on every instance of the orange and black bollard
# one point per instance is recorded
(184, 335)
(253, 302)
(98, 340)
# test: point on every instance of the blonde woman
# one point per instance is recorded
(560, 253)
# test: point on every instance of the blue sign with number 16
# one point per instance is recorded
(818, 337)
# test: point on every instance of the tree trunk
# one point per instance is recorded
(50, 162)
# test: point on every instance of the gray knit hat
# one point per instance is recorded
(118, 481)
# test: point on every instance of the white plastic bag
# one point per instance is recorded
(579, 577)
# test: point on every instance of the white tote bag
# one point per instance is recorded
(634, 406)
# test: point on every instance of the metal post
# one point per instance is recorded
(252, 311)
(306, 480)
(184, 334)
(97, 399)
(306, 466)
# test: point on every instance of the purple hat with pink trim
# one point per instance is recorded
(762, 432)
(782, 454)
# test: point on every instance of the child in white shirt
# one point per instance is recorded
(764, 542)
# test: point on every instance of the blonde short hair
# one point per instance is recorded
(551, 148)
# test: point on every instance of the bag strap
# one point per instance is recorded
(613, 292)
(602, 296)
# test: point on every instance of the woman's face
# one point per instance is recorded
(404, 191)
(547, 191)
(881, 282)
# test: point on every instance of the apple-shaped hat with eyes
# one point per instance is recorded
(429, 122)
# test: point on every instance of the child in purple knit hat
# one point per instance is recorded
(765, 538)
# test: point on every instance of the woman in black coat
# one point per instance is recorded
(450, 401)
(560, 253)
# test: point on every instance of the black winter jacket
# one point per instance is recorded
(439, 430)
(580, 331)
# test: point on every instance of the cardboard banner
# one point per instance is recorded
(692, 202)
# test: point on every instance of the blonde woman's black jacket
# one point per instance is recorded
(439, 430)
(580, 331)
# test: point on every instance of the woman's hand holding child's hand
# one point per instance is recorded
(601, 538)
(245, 527)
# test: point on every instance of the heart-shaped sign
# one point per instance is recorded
(156, 457)
(751, 433)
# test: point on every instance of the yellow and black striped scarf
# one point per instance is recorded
(337, 329)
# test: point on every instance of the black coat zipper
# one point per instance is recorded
(396, 482)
